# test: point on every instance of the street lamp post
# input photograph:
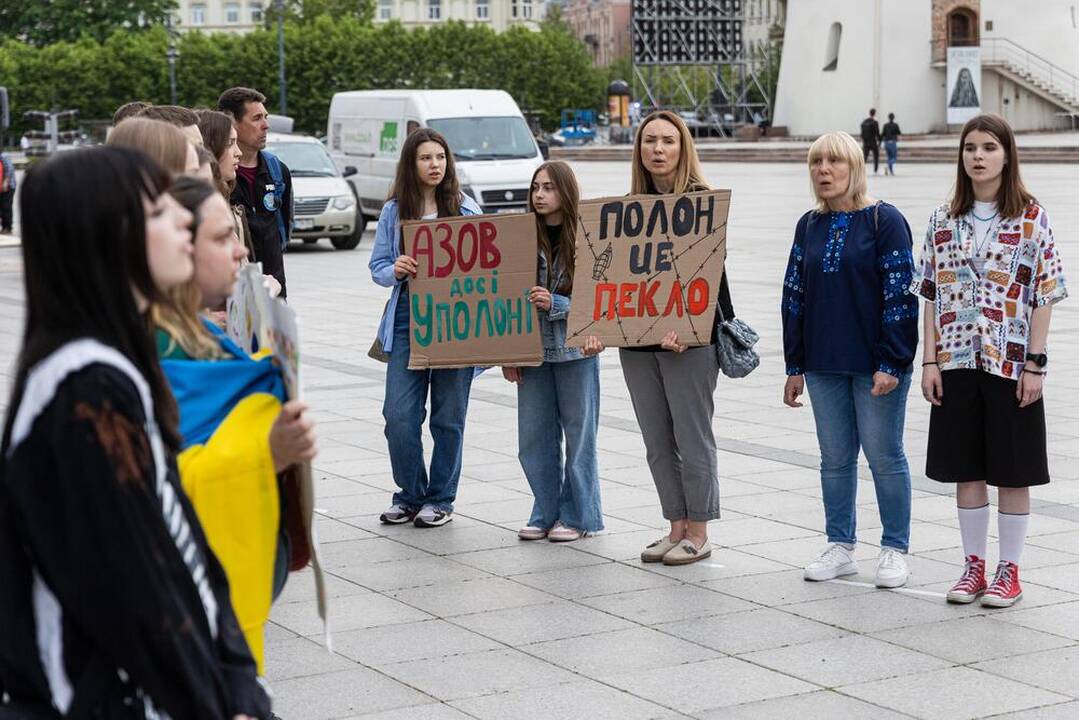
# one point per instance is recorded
(172, 53)
(281, 52)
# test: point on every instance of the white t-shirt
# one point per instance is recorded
(982, 229)
(432, 216)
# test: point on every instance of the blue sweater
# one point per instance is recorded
(846, 307)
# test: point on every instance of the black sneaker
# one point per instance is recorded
(430, 516)
(397, 515)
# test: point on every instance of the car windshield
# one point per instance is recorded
(304, 159)
(486, 138)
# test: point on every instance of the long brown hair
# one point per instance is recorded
(178, 313)
(1012, 196)
(569, 195)
(688, 175)
(407, 190)
(165, 144)
(216, 128)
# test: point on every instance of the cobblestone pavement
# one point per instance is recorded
(466, 621)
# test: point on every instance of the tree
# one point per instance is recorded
(44, 22)
(307, 11)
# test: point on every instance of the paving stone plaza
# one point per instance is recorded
(467, 621)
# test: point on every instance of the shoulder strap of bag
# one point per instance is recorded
(724, 307)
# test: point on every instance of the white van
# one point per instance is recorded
(493, 148)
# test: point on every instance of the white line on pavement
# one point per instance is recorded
(909, 591)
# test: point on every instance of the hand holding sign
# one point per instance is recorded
(649, 266)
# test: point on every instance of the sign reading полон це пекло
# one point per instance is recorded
(647, 265)
(469, 299)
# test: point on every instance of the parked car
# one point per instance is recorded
(324, 204)
(493, 148)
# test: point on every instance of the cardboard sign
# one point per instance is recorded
(469, 299)
(647, 265)
(256, 322)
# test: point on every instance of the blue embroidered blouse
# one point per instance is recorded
(846, 306)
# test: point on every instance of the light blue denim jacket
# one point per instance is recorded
(553, 321)
(384, 255)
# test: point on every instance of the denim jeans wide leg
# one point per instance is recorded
(405, 408)
(832, 398)
(539, 442)
(577, 393)
(880, 428)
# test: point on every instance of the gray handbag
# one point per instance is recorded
(734, 345)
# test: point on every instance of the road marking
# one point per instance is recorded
(909, 591)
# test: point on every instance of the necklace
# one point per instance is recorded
(979, 217)
(979, 247)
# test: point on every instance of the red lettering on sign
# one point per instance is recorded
(625, 299)
(446, 243)
(421, 246)
(490, 257)
(467, 259)
(646, 306)
(674, 301)
(698, 296)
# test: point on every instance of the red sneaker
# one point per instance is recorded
(1005, 590)
(972, 584)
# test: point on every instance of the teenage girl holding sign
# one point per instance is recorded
(424, 188)
(560, 398)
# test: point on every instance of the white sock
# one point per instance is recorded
(1012, 529)
(974, 527)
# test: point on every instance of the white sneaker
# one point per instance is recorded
(834, 562)
(891, 569)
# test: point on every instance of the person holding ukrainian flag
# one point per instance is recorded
(239, 433)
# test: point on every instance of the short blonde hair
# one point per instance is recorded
(165, 144)
(841, 147)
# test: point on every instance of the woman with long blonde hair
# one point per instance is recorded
(850, 331)
(560, 398)
(165, 144)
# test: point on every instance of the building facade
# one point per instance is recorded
(496, 14)
(213, 16)
(841, 57)
(241, 16)
(602, 25)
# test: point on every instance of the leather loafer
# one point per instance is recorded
(687, 553)
(656, 551)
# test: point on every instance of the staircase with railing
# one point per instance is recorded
(1041, 76)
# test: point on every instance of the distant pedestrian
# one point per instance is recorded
(890, 135)
(871, 139)
(263, 182)
(850, 332)
(7, 192)
(990, 274)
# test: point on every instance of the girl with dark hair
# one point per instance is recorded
(990, 275)
(113, 605)
(560, 398)
(425, 188)
(237, 431)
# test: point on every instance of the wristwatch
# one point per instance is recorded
(1039, 359)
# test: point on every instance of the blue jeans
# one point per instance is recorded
(405, 408)
(847, 417)
(891, 147)
(556, 400)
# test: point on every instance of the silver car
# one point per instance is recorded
(324, 203)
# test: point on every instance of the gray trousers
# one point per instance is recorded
(672, 398)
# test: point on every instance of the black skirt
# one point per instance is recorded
(979, 432)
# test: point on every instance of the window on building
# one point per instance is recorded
(232, 12)
(198, 14)
(526, 9)
(483, 9)
(513, 8)
(256, 12)
(831, 55)
(434, 9)
(962, 28)
(385, 9)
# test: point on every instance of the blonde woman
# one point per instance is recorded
(165, 144)
(671, 384)
(850, 331)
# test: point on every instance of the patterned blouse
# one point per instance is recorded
(984, 322)
(846, 307)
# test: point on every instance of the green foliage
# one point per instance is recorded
(43, 22)
(305, 11)
(544, 71)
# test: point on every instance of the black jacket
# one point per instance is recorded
(870, 131)
(114, 564)
(262, 221)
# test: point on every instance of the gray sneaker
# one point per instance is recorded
(430, 516)
(397, 515)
